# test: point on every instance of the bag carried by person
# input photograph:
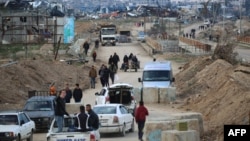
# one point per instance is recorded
(116, 77)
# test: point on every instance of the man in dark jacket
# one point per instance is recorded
(93, 121)
(101, 74)
(140, 118)
(60, 110)
(68, 94)
(110, 60)
(112, 72)
(77, 94)
(81, 120)
(86, 47)
(116, 59)
(106, 72)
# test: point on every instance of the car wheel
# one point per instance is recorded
(132, 129)
(123, 132)
(31, 137)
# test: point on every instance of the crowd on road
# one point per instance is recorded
(87, 121)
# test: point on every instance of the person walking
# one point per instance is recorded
(77, 94)
(116, 59)
(92, 75)
(101, 74)
(140, 118)
(60, 110)
(81, 120)
(96, 43)
(86, 47)
(93, 121)
(106, 72)
(110, 60)
(94, 56)
(112, 72)
(68, 94)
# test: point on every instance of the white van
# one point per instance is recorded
(157, 74)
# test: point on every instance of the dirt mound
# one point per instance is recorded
(218, 90)
(38, 74)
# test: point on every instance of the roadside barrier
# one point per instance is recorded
(156, 46)
(196, 44)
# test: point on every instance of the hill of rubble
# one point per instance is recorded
(218, 90)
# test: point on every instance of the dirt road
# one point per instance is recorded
(103, 54)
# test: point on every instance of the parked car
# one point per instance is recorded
(41, 110)
(71, 132)
(114, 118)
(141, 36)
(16, 125)
(120, 93)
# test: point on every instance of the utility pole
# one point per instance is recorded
(240, 18)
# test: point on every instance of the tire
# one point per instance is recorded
(132, 129)
(123, 132)
(31, 137)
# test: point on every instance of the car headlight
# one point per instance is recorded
(9, 134)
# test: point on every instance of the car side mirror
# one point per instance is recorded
(97, 93)
(139, 79)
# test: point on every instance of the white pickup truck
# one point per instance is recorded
(70, 132)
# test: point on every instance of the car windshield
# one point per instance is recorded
(105, 110)
(156, 76)
(8, 120)
(108, 31)
(38, 106)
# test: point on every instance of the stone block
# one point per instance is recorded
(198, 116)
(159, 95)
(174, 135)
(150, 95)
(153, 129)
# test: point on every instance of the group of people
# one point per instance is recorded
(86, 48)
(76, 94)
(126, 60)
(88, 120)
(89, 117)
(106, 72)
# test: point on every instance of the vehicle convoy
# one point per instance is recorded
(41, 110)
(16, 125)
(108, 34)
(114, 118)
(71, 131)
(158, 74)
(120, 93)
